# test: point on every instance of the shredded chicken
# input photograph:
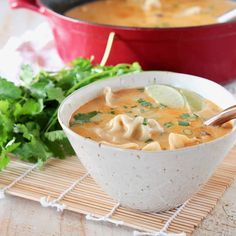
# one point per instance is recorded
(109, 97)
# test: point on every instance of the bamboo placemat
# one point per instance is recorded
(70, 186)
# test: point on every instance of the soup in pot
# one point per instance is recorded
(158, 117)
(152, 13)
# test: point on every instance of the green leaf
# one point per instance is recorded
(168, 124)
(21, 128)
(61, 148)
(28, 113)
(12, 147)
(28, 131)
(81, 118)
(144, 103)
(30, 107)
(39, 89)
(4, 160)
(162, 105)
(184, 123)
(6, 127)
(82, 64)
(55, 135)
(40, 163)
(145, 121)
(55, 94)
(149, 140)
(4, 106)
(26, 75)
(111, 112)
(8, 90)
(185, 116)
(32, 151)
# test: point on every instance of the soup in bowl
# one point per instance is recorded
(148, 179)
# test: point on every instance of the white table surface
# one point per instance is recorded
(26, 218)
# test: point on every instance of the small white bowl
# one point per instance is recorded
(149, 181)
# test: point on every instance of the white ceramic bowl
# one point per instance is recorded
(149, 181)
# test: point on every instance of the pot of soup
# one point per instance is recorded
(182, 36)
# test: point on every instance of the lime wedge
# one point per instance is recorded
(166, 95)
(194, 100)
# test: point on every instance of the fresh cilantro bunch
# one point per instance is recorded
(28, 113)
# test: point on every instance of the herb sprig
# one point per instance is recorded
(28, 113)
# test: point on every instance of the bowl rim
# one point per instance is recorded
(135, 151)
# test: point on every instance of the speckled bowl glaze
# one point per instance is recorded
(149, 181)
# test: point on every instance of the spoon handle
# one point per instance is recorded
(222, 117)
(227, 16)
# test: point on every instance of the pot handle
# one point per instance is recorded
(29, 4)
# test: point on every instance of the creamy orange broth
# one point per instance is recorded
(171, 13)
(128, 102)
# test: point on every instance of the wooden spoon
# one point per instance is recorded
(222, 117)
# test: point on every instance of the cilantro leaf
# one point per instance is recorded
(149, 140)
(145, 121)
(39, 89)
(22, 129)
(28, 113)
(55, 94)
(8, 90)
(185, 116)
(4, 158)
(6, 126)
(55, 135)
(184, 123)
(4, 106)
(61, 148)
(33, 150)
(81, 118)
(168, 124)
(30, 107)
(144, 103)
(26, 75)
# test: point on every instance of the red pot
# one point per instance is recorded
(208, 51)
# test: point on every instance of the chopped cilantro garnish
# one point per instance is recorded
(194, 116)
(149, 140)
(144, 103)
(126, 107)
(162, 105)
(82, 118)
(168, 124)
(112, 112)
(145, 121)
(185, 116)
(134, 106)
(183, 123)
(142, 110)
(141, 89)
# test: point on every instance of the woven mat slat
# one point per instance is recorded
(88, 198)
